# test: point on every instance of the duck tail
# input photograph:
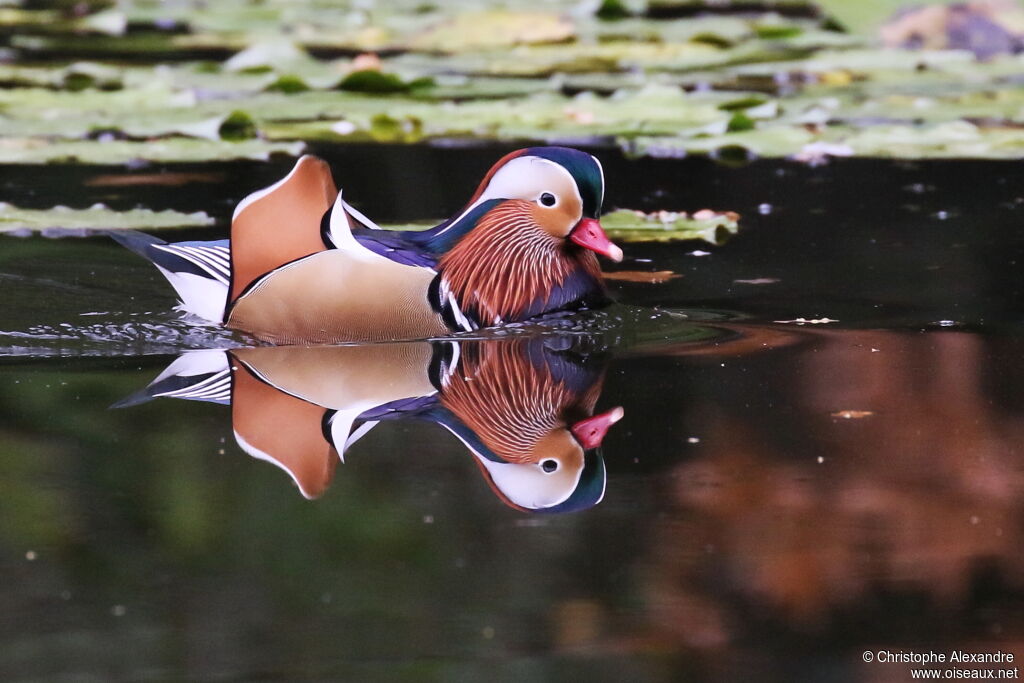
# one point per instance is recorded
(134, 241)
(200, 272)
(201, 375)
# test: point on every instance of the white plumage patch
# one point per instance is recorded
(216, 387)
(342, 216)
(448, 298)
(215, 260)
(524, 484)
(203, 295)
(359, 216)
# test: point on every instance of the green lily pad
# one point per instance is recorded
(627, 225)
(14, 16)
(490, 29)
(289, 85)
(950, 140)
(775, 141)
(97, 217)
(773, 80)
(171, 150)
(613, 9)
(75, 77)
(267, 56)
(374, 81)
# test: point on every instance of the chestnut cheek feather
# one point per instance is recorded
(505, 264)
(555, 222)
(511, 404)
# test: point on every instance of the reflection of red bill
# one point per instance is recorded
(590, 235)
(590, 432)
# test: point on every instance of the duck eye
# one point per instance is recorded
(549, 466)
(547, 199)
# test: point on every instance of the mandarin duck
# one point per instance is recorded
(525, 411)
(304, 266)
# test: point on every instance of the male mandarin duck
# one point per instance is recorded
(303, 266)
(524, 411)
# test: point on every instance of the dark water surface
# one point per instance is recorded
(779, 497)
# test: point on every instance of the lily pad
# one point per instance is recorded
(492, 29)
(664, 226)
(97, 217)
(702, 77)
(171, 150)
(374, 81)
(775, 141)
(950, 140)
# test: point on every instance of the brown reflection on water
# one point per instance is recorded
(898, 528)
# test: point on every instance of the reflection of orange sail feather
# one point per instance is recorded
(274, 426)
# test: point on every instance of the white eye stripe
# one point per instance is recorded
(600, 168)
(561, 170)
(510, 181)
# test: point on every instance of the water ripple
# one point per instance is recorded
(117, 335)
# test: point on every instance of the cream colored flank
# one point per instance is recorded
(333, 296)
(342, 377)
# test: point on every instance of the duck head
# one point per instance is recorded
(526, 414)
(527, 241)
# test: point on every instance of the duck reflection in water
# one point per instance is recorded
(523, 408)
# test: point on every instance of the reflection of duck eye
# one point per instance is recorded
(547, 199)
(549, 465)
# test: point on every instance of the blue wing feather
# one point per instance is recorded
(396, 246)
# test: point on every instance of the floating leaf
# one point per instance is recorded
(172, 150)
(493, 29)
(375, 81)
(773, 141)
(664, 226)
(613, 9)
(288, 84)
(741, 121)
(742, 103)
(768, 81)
(955, 139)
(97, 217)
(12, 16)
(777, 31)
(238, 125)
(266, 55)
(110, 22)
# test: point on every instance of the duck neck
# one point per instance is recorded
(505, 399)
(508, 269)
(442, 238)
